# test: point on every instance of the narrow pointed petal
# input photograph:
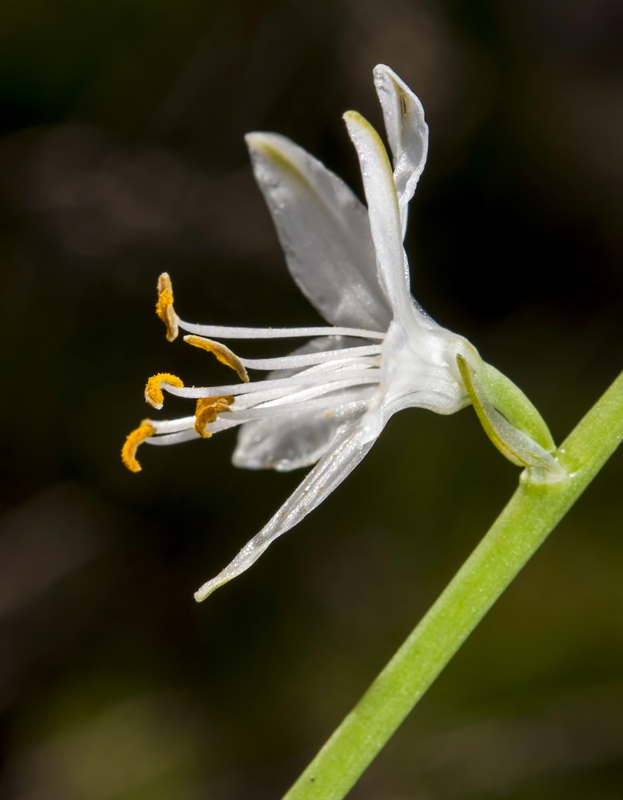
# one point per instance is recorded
(407, 133)
(383, 210)
(288, 442)
(326, 476)
(324, 232)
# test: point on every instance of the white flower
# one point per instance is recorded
(329, 400)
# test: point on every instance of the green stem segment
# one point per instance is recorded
(531, 514)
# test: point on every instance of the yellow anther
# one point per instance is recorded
(208, 409)
(153, 391)
(164, 306)
(223, 353)
(133, 439)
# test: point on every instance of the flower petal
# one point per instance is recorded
(407, 133)
(324, 232)
(296, 440)
(383, 211)
(288, 442)
(331, 470)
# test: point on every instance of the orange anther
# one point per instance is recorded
(132, 441)
(207, 410)
(223, 353)
(153, 391)
(164, 306)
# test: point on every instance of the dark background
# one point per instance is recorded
(121, 156)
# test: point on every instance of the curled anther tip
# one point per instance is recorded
(164, 306)
(132, 441)
(207, 410)
(153, 390)
(222, 353)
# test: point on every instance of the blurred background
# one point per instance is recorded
(122, 155)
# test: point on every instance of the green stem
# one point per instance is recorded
(531, 514)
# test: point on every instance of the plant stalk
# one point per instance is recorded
(529, 517)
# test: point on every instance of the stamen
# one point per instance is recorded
(300, 360)
(174, 438)
(172, 425)
(336, 380)
(208, 409)
(164, 306)
(228, 332)
(133, 439)
(339, 409)
(153, 391)
(223, 354)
